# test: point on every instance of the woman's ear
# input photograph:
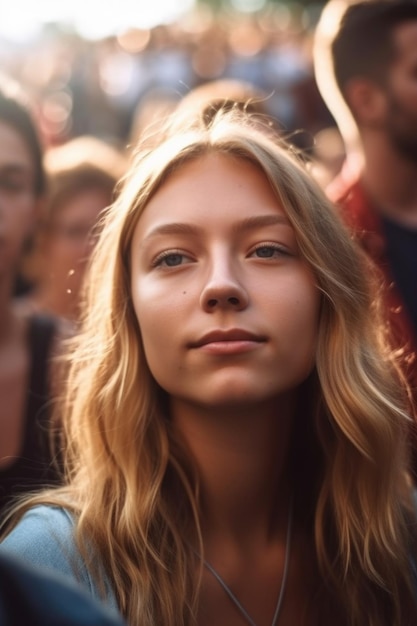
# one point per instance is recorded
(367, 101)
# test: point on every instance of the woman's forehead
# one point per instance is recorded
(212, 189)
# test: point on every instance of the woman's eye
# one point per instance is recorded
(173, 259)
(170, 259)
(268, 252)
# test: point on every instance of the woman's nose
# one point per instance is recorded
(223, 289)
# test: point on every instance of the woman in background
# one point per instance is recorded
(82, 176)
(26, 341)
(236, 428)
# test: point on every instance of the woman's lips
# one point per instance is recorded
(229, 347)
(233, 341)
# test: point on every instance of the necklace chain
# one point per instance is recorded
(232, 596)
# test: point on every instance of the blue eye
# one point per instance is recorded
(269, 251)
(172, 260)
(265, 252)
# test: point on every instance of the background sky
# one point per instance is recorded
(21, 19)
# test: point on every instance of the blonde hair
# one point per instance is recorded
(130, 485)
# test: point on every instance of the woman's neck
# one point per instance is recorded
(240, 455)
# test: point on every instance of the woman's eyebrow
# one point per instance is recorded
(259, 221)
(173, 228)
(246, 224)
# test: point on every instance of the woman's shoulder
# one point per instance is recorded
(44, 536)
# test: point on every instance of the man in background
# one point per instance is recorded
(365, 58)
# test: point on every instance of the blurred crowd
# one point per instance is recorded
(72, 111)
(109, 87)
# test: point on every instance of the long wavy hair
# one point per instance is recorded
(132, 489)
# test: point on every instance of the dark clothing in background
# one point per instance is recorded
(34, 467)
(35, 597)
(402, 255)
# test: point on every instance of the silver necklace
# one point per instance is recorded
(232, 596)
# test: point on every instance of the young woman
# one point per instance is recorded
(236, 431)
(82, 176)
(26, 341)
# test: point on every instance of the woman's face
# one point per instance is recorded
(68, 244)
(17, 197)
(228, 308)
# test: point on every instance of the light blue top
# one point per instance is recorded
(45, 537)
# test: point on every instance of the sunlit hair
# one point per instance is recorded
(225, 94)
(130, 485)
(204, 101)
